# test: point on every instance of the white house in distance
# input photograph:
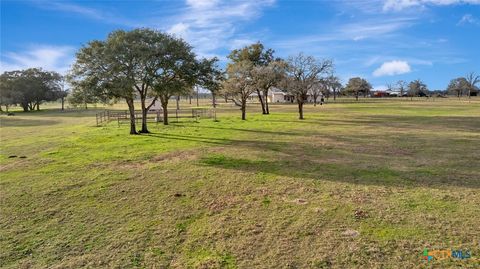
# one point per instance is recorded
(277, 96)
(274, 96)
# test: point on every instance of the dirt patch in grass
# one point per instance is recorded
(176, 156)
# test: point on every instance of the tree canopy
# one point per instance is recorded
(141, 63)
(357, 86)
(417, 88)
(261, 60)
(29, 88)
(239, 84)
(302, 74)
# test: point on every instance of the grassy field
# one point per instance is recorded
(355, 185)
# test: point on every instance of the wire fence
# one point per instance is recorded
(156, 116)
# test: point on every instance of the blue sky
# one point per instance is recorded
(381, 40)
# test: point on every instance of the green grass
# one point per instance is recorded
(269, 192)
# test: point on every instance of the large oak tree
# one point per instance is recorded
(142, 63)
(29, 88)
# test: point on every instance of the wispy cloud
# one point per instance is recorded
(468, 19)
(53, 58)
(212, 25)
(397, 5)
(373, 29)
(84, 11)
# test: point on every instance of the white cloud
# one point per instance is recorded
(51, 58)
(213, 25)
(397, 5)
(392, 68)
(468, 19)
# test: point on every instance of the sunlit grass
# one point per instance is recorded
(367, 184)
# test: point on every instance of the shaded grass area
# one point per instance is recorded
(354, 185)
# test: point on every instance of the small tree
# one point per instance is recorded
(335, 85)
(472, 80)
(402, 86)
(210, 77)
(265, 77)
(318, 89)
(457, 86)
(302, 73)
(6, 92)
(417, 88)
(239, 84)
(259, 57)
(357, 85)
(83, 94)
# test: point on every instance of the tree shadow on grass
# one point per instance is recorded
(208, 140)
(287, 133)
(341, 172)
(19, 122)
(299, 160)
(405, 122)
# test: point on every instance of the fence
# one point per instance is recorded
(156, 116)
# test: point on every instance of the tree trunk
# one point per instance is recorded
(38, 106)
(165, 112)
(178, 102)
(315, 100)
(334, 95)
(25, 107)
(144, 129)
(213, 100)
(244, 108)
(261, 102)
(356, 96)
(267, 109)
(63, 102)
(190, 100)
(226, 98)
(197, 97)
(300, 110)
(131, 109)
